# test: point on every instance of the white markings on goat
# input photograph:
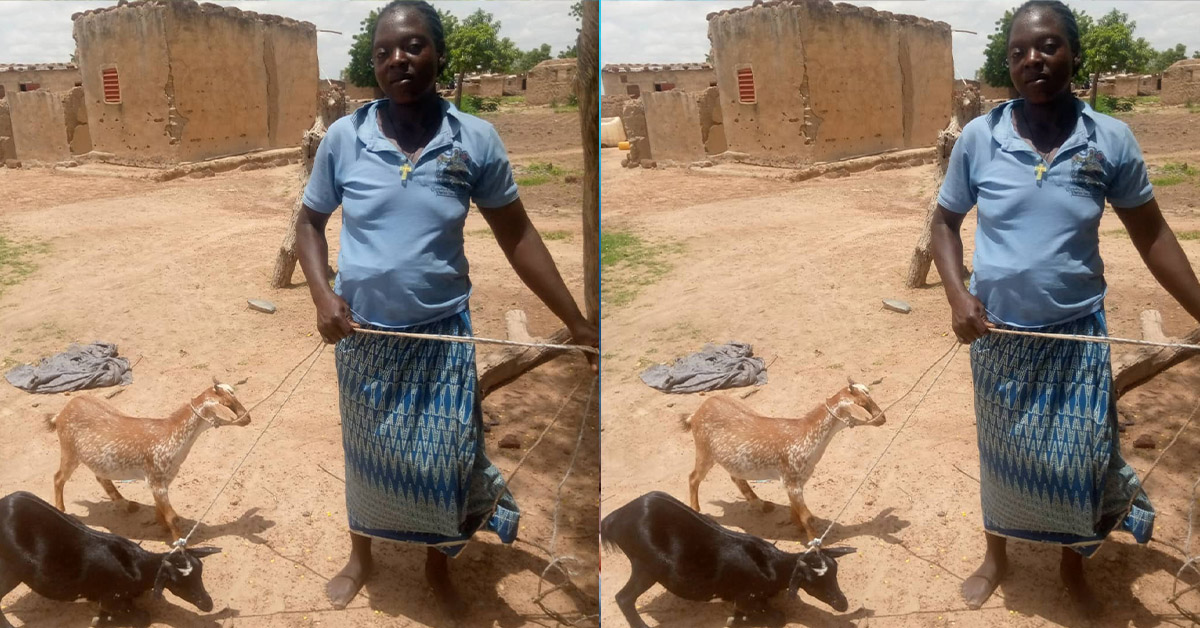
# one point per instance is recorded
(186, 570)
(225, 387)
(861, 388)
(820, 571)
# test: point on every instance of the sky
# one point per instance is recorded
(676, 31)
(39, 31)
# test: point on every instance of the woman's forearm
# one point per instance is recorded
(312, 250)
(948, 252)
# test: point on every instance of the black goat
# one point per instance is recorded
(62, 559)
(696, 559)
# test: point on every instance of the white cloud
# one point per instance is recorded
(40, 32)
(673, 31)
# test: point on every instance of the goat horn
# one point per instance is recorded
(216, 381)
(850, 380)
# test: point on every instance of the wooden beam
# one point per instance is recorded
(501, 367)
(1134, 368)
(589, 117)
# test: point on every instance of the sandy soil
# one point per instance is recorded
(164, 271)
(798, 270)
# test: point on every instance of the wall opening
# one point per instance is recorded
(1, 91)
(624, 79)
(745, 82)
(112, 85)
(29, 87)
(664, 87)
(633, 90)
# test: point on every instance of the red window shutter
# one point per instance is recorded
(745, 79)
(112, 85)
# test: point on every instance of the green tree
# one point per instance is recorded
(569, 53)
(577, 13)
(1110, 46)
(360, 71)
(532, 57)
(995, 56)
(1164, 59)
(1196, 54)
(476, 45)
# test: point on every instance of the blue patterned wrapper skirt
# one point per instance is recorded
(412, 433)
(1050, 463)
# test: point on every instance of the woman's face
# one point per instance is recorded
(405, 59)
(1040, 60)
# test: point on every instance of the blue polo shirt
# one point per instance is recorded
(1037, 247)
(401, 261)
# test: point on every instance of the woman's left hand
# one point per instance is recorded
(586, 333)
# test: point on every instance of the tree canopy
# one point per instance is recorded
(1108, 44)
(473, 44)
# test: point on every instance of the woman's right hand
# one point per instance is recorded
(968, 319)
(333, 318)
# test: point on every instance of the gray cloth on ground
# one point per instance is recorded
(78, 368)
(715, 367)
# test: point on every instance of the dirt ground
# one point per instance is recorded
(799, 270)
(164, 271)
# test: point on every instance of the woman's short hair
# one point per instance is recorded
(432, 19)
(1064, 15)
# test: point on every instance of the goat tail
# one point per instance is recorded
(606, 534)
(685, 422)
(51, 422)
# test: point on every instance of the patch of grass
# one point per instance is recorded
(1147, 100)
(200, 367)
(512, 100)
(629, 264)
(1112, 104)
(538, 173)
(1187, 235)
(17, 261)
(479, 233)
(1117, 233)
(533, 179)
(556, 235)
(1173, 174)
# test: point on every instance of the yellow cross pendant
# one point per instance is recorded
(405, 169)
(1040, 170)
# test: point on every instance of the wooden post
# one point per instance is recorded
(588, 92)
(458, 92)
(966, 107)
(1095, 88)
(1134, 368)
(330, 107)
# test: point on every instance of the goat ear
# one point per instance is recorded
(838, 551)
(850, 380)
(859, 412)
(201, 552)
(160, 580)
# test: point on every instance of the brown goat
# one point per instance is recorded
(751, 446)
(116, 446)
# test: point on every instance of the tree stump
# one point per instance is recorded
(331, 105)
(1134, 368)
(967, 106)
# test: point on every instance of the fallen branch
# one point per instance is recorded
(1134, 368)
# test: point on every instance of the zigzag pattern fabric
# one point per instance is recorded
(412, 428)
(1050, 463)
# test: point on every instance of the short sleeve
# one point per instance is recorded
(1130, 185)
(494, 186)
(959, 192)
(323, 194)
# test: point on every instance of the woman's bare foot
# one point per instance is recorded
(1071, 570)
(978, 587)
(437, 572)
(342, 588)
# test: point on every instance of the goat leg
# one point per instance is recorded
(8, 582)
(162, 506)
(66, 466)
(639, 583)
(800, 513)
(750, 496)
(703, 464)
(115, 495)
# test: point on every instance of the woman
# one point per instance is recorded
(404, 169)
(1040, 169)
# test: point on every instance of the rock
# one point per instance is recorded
(897, 306)
(511, 441)
(941, 513)
(1145, 441)
(12, 163)
(571, 179)
(649, 163)
(261, 306)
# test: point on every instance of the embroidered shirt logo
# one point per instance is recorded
(1087, 173)
(453, 173)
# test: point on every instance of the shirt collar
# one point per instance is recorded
(1000, 120)
(372, 137)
